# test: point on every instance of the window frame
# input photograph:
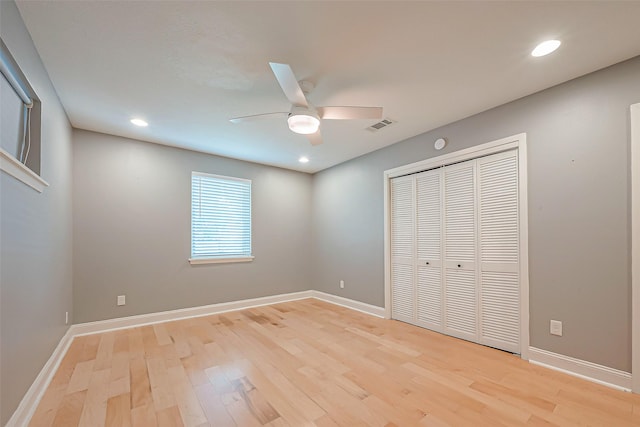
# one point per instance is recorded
(210, 259)
(29, 172)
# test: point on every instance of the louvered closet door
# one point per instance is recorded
(402, 248)
(460, 299)
(429, 242)
(499, 260)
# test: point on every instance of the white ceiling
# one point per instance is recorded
(188, 67)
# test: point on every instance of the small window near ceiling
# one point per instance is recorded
(19, 123)
(220, 219)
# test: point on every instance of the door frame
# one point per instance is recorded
(635, 247)
(518, 142)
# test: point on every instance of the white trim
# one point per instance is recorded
(207, 310)
(523, 215)
(372, 310)
(29, 403)
(635, 246)
(26, 408)
(493, 147)
(222, 177)
(13, 167)
(580, 368)
(387, 248)
(220, 260)
(183, 313)
(518, 142)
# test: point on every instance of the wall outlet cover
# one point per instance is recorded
(121, 300)
(555, 328)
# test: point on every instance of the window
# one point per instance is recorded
(19, 124)
(220, 219)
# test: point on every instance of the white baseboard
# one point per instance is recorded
(580, 368)
(21, 417)
(349, 303)
(183, 313)
(31, 399)
(29, 403)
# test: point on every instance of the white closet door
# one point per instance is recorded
(460, 294)
(499, 260)
(429, 246)
(402, 248)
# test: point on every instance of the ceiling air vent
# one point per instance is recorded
(381, 124)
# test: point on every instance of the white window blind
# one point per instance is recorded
(220, 218)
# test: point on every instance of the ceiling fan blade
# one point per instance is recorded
(289, 84)
(347, 113)
(315, 138)
(259, 117)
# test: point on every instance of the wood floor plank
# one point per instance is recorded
(310, 363)
(70, 410)
(81, 376)
(213, 407)
(169, 417)
(120, 381)
(48, 407)
(140, 386)
(104, 354)
(161, 388)
(144, 416)
(119, 411)
(94, 410)
(190, 410)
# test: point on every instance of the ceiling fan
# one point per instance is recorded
(304, 118)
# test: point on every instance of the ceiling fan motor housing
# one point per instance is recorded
(303, 120)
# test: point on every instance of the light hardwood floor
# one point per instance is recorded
(309, 363)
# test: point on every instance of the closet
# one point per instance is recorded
(455, 250)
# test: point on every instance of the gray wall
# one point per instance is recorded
(579, 210)
(131, 222)
(132, 227)
(35, 237)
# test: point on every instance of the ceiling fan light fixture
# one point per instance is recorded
(304, 124)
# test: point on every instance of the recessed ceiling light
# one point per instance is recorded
(303, 159)
(139, 122)
(545, 48)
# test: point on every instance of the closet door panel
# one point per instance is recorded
(461, 304)
(499, 310)
(429, 249)
(403, 249)
(402, 299)
(499, 251)
(460, 288)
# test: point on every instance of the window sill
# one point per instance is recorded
(219, 260)
(13, 167)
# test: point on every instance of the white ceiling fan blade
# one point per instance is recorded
(259, 117)
(289, 84)
(315, 138)
(347, 113)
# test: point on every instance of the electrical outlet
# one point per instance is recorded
(341, 284)
(66, 317)
(121, 300)
(555, 328)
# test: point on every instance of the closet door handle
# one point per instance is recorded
(427, 262)
(459, 265)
